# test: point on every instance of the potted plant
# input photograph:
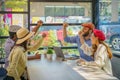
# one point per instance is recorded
(49, 54)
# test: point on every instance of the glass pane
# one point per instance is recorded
(105, 11)
(110, 22)
(55, 36)
(61, 12)
(79, 11)
(69, 11)
(11, 19)
(13, 5)
(2, 53)
(49, 11)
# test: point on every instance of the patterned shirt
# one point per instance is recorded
(8, 46)
(76, 39)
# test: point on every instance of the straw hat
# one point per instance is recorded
(23, 34)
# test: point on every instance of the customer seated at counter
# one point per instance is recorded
(18, 58)
(12, 39)
(99, 50)
(87, 28)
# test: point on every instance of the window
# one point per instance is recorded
(12, 12)
(53, 14)
(60, 12)
(69, 11)
(55, 36)
(49, 11)
(11, 19)
(13, 5)
(110, 22)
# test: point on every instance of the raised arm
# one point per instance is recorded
(65, 25)
(100, 58)
(87, 50)
(39, 24)
(37, 43)
(66, 37)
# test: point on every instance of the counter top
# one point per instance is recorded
(64, 70)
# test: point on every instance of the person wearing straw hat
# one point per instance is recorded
(87, 28)
(99, 50)
(18, 58)
(12, 39)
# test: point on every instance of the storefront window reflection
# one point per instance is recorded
(110, 22)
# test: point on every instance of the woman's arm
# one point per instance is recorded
(39, 24)
(36, 56)
(99, 58)
(37, 43)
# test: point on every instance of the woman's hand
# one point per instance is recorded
(40, 23)
(44, 35)
(37, 55)
(65, 25)
(83, 62)
(80, 62)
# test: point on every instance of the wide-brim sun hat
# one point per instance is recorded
(23, 34)
(88, 25)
